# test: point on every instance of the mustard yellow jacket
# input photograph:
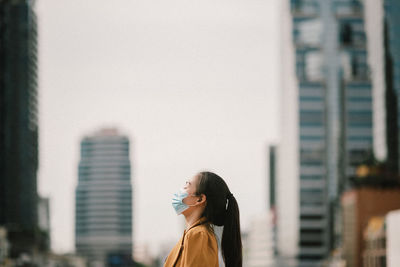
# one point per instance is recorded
(197, 248)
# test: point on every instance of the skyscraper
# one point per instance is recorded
(103, 214)
(272, 194)
(326, 122)
(382, 23)
(18, 125)
(374, 28)
(392, 70)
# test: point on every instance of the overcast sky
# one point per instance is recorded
(194, 84)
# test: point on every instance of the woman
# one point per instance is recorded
(206, 201)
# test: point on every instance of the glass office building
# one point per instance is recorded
(392, 69)
(383, 40)
(327, 107)
(103, 214)
(19, 125)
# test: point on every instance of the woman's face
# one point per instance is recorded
(190, 188)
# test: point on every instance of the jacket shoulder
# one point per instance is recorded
(200, 229)
(200, 233)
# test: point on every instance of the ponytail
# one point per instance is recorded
(222, 210)
(231, 242)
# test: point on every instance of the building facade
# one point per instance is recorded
(383, 38)
(393, 238)
(103, 214)
(359, 206)
(326, 124)
(18, 125)
(374, 254)
(392, 68)
(374, 28)
(272, 195)
(258, 250)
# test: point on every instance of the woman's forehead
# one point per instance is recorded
(194, 179)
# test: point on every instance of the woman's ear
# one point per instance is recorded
(202, 199)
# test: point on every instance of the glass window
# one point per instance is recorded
(357, 156)
(313, 61)
(312, 156)
(311, 177)
(311, 118)
(309, 32)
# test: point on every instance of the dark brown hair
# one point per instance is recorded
(222, 210)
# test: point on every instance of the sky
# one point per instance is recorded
(192, 83)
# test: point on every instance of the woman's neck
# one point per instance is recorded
(192, 218)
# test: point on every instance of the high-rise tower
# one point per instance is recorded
(383, 35)
(326, 125)
(392, 78)
(18, 125)
(103, 214)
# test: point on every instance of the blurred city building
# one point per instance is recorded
(4, 246)
(272, 195)
(335, 259)
(62, 260)
(44, 221)
(258, 246)
(326, 123)
(382, 241)
(374, 254)
(163, 252)
(141, 253)
(360, 205)
(287, 156)
(393, 238)
(119, 259)
(391, 41)
(103, 214)
(373, 11)
(19, 129)
(392, 64)
(383, 56)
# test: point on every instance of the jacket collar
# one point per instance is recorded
(178, 252)
(197, 223)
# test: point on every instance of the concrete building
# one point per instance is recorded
(70, 260)
(287, 154)
(4, 246)
(44, 222)
(272, 160)
(382, 34)
(374, 28)
(44, 214)
(103, 214)
(392, 68)
(359, 206)
(374, 254)
(393, 238)
(382, 241)
(141, 254)
(326, 129)
(258, 246)
(18, 125)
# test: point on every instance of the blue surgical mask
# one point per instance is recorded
(177, 201)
